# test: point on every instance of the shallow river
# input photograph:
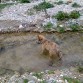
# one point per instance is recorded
(21, 51)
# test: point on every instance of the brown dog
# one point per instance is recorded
(50, 48)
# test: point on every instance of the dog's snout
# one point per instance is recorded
(38, 42)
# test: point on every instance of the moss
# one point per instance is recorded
(48, 26)
(25, 81)
(71, 80)
(75, 5)
(24, 1)
(61, 16)
(38, 75)
(80, 69)
(2, 6)
(74, 14)
(43, 81)
(43, 5)
(59, 2)
(75, 27)
(50, 72)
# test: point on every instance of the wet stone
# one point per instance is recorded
(2, 47)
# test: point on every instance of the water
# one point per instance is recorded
(21, 51)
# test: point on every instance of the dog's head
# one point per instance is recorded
(41, 38)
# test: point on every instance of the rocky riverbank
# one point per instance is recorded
(47, 76)
(23, 17)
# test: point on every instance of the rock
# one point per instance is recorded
(80, 20)
(12, 79)
(31, 73)
(59, 81)
(61, 75)
(41, 30)
(51, 80)
(66, 81)
(30, 77)
(31, 81)
(39, 80)
(46, 71)
(51, 20)
(21, 26)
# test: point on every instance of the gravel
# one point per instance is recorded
(18, 11)
(55, 76)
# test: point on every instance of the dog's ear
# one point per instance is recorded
(40, 37)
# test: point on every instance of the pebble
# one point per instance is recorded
(31, 81)
(61, 75)
(66, 81)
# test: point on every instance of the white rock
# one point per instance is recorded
(61, 25)
(39, 80)
(31, 81)
(66, 81)
(61, 75)
(31, 73)
(51, 80)
(35, 77)
(46, 71)
(20, 27)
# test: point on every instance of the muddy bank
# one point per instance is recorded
(21, 52)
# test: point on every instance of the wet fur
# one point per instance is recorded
(50, 48)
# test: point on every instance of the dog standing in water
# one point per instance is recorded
(50, 48)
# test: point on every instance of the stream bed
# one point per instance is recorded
(20, 51)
